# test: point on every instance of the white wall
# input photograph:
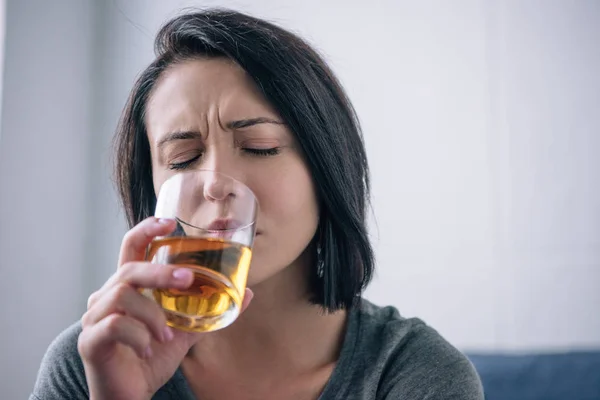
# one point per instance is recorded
(480, 119)
(491, 232)
(546, 127)
(44, 203)
(2, 34)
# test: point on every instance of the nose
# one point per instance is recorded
(218, 187)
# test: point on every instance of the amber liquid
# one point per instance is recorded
(214, 299)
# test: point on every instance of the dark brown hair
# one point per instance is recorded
(308, 97)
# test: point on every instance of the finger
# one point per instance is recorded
(92, 299)
(137, 239)
(147, 275)
(123, 299)
(160, 276)
(95, 341)
(248, 296)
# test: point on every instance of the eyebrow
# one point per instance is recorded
(178, 136)
(239, 124)
(245, 123)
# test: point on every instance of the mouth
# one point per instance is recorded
(224, 224)
(224, 227)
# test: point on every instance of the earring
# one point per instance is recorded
(320, 262)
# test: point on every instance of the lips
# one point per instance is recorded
(224, 224)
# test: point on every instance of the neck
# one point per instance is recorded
(280, 332)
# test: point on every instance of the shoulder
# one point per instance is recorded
(416, 361)
(61, 374)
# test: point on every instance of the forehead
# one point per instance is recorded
(210, 75)
(202, 88)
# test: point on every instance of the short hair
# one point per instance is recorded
(301, 87)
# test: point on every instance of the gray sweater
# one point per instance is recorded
(384, 356)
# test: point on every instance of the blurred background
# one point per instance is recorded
(482, 123)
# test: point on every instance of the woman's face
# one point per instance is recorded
(232, 129)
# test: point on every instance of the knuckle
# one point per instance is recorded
(142, 229)
(129, 237)
(121, 290)
(85, 319)
(113, 324)
(92, 300)
(82, 345)
(123, 273)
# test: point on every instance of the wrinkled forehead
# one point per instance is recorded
(193, 94)
(203, 86)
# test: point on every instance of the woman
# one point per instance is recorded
(233, 93)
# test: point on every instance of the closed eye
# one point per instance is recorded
(254, 152)
(184, 164)
(263, 152)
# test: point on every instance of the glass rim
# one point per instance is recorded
(216, 231)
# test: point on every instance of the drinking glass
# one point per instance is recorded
(216, 222)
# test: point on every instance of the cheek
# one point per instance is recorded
(288, 218)
(159, 176)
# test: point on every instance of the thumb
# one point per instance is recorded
(248, 296)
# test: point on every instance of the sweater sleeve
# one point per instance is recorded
(61, 374)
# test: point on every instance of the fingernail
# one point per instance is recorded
(148, 352)
(182, 274)
(164, 221)
(167, 334)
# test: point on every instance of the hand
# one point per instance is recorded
(127, 349)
